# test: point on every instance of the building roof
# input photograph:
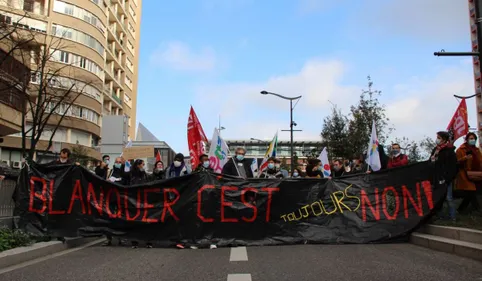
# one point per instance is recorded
(144, 135)
(280, 142)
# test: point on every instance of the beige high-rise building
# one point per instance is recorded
(97, 51)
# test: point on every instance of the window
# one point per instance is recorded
(133, 13)
(130, 46)
(130, 65)
(72, 10)
(127, 100)
(128, 82)
(64, 57)
(23, 22)
(78, 36)
(132, 29)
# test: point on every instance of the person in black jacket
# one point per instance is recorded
(64, 157)
(158, 173)
(238, 165)
(102, 170)
(444, 160)
(138, 176)
(314, 169)
(271, 172)
(204, 164)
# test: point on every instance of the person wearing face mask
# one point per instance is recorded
(64, 157)
(178, 167)
(469, 158)
(338, 169)
(314, 169)
(277, 164)
(359, 165)
(204, 164)
(271, 172)
(296, 174)
(397, 159)
(158, 173)
(102, 170)
(238, 165)
(444, 159)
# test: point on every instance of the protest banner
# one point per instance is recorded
(212, 208)
(137, 152)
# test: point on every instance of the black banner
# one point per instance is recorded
(205, 208)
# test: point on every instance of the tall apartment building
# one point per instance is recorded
(98, 52)
(475, 60)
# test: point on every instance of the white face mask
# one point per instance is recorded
(177, 164)
(277, 166)
(62, 160)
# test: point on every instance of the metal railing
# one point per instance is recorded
(7, 187)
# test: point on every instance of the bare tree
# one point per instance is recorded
(51, 95)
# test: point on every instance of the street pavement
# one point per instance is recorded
(390, 262)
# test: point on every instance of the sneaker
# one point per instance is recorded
(134, 247)
(107, 243)
(180, 246)
(213, 246)
(194, 247)
(149, 246)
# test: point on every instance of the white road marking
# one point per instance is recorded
(238, 254)
(239, 277)
(22, 265)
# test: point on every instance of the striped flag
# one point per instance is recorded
(271, 152)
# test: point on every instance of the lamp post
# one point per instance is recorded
(292, 123)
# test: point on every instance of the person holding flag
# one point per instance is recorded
(238, 165)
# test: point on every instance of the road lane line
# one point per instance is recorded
(22, 265)
(239, 277)
(238, 254)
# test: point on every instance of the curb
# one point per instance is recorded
(24, 254)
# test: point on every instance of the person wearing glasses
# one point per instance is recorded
(238, 165)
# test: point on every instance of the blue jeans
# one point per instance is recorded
(450, 202)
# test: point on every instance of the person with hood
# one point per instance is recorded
(178, 167)
(238, 165)
(271, 172)
(158, 173)
(469, 158)
(444, 159)
(204, 164)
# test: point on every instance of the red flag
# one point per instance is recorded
(196, 138)
(459, 125)
(158, 156)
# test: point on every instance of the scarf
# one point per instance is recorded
(439, 148)
(176, 171)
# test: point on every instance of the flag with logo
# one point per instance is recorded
(325, 163)
(254, 167)
(218, 152)
(373, 159)
(196, 138)
(271, 152)
(459, 125)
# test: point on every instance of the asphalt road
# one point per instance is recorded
(390, 262)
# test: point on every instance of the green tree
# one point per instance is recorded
(81, 155)
(427, 144)
(335, 134)
(367, 110)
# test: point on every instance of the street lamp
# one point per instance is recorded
(292, 123)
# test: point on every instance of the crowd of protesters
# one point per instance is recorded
(459, 169)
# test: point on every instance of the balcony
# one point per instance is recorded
(112, 96)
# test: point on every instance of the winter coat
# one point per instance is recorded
(398, 161)
(232, 166)
(463, 182)
(271, 174)
(445, 166)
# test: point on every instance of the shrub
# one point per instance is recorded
(10, 239)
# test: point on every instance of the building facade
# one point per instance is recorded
(93, 47)
(257, 149)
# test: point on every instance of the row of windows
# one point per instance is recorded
(79, 61)
(68, 83)
(72, 10)
(133, 13)
(77, 36)
(73, 110)
(23, 22)
(132, 29)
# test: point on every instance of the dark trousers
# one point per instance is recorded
(469, 198)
